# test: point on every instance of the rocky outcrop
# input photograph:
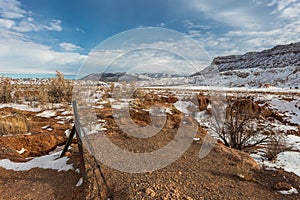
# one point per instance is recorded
(278, 56)
(235, 156)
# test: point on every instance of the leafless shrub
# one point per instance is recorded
(275, 146)
(240, 127)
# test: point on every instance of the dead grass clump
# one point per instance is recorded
(14, 125)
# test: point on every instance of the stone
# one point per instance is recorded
(283, 186)
(150, 192)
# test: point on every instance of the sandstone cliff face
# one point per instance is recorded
(275, 67)
(278, 56)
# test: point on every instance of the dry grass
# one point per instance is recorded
(14, 125)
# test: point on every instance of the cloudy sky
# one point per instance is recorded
(41, 36)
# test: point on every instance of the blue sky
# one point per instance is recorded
(41, 36)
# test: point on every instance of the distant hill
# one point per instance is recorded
(123, 76)
(276, 57)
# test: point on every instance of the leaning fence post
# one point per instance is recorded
(78, 134)
(76, 130)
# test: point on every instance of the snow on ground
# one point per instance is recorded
(226, 89)
(119, 106)
(79, 183)
(47, 114)
(45, 162)
(67, 113)
(283, 127)
(286, 77)
(45, 127)
(67, 132)
(22, 107)
(21, 151)
(293, 141)
(187, 107)
(291, 191)
(289, 108)
(287, 160)
(98, 107)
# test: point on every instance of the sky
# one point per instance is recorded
(41, 36)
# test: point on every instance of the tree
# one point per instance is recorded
(240, 128)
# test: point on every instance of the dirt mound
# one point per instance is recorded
(33, 145)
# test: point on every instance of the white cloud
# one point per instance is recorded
(10, 9)
(291, 12)
(54, 25)
(29, 25)
(6, 23)
(231, 12)
(19, 54)
(259, 25)
(286, 9)
(18, 19)
(282, 4)
(80, 30)
(162, 24)
(69, 46)
(26, 26)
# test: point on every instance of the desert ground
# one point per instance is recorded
(36, 124)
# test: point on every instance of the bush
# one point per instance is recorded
(43, 95)
(240, 127)
(5, 93)
(275, 146)
(59, 89)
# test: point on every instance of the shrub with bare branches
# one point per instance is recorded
(275, 146)
(240, 127)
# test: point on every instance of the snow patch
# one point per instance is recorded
(291, 191)
(21, 151)
(289, 108)
(287, 160)
(79, 183)
(67, 132)
(67, 113)
(20, 107)
(44, 162)
(47, 114)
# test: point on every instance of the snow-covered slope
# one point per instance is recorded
(276, 57)
(287, 77)
(279, 67)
